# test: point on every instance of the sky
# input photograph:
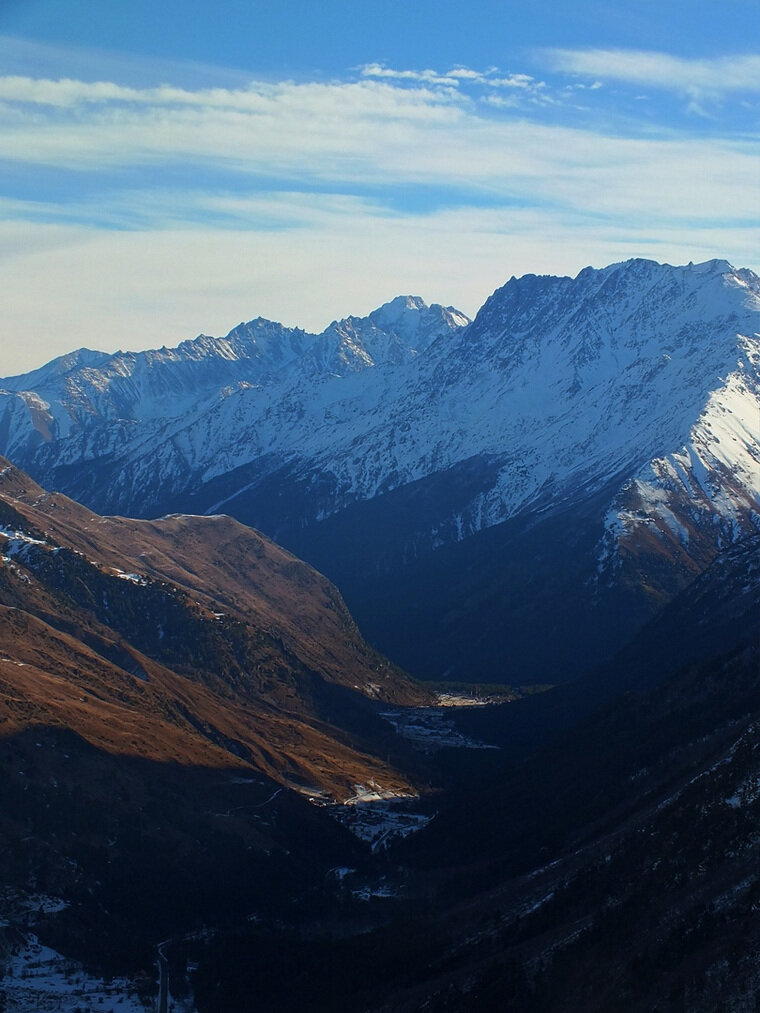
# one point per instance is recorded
(169, 169)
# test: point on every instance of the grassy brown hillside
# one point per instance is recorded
(188, 640)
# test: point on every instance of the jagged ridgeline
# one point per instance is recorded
(507, 499)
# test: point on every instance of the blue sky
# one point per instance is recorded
(172, 168)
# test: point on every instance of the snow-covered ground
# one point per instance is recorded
(430, 728)
(38, 978)
(378, 816)
(465, 700)
(379, 820)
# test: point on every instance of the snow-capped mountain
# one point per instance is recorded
(89, 408)
(634, 390)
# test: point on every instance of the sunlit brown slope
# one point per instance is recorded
(187, 639)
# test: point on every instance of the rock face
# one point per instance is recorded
(577, 453)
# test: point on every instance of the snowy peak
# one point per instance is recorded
(397, 331)
(713, 267)
(409, 317)
(264, 340)
(391, 313)
(627, 310)
(393, 334)
(59, 367)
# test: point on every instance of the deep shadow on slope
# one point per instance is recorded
(518, 603)
(515, 603)
(636, 840)
(718, 612)
(617, 871)
(607, 862)
(141, 850)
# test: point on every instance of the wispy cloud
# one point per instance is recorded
(378, 70)
(22, 56)
(694, 77)
(68, 93)
(180, 208)
(458, 76)
(376, 134)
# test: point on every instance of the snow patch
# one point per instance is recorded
(39, 978)
(379, 820)
(430, 728)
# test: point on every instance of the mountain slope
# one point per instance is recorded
(180, 395)
(610, 864)
(175, 696)
(190, 639)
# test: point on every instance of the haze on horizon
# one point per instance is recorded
(175, 170)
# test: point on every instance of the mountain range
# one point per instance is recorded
(204, 766)
(455, 478)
